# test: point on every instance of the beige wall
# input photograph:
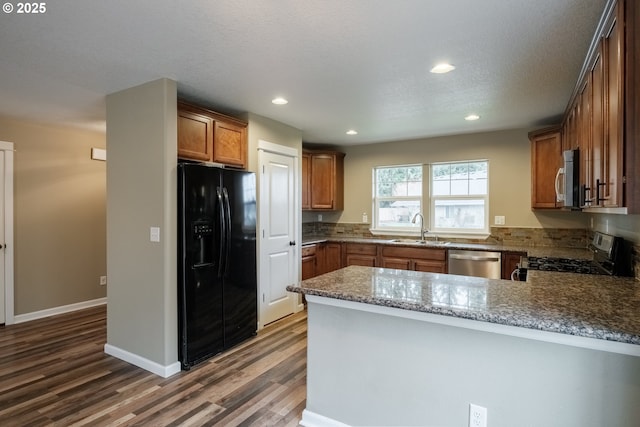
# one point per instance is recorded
(509, 158)
(263, 128)
(59, 215)
(142, 308)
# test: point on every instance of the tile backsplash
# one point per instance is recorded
(513, 236)
(553, 237)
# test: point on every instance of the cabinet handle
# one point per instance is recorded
(292, 243)
(559, 196)
(598, 185)
(585, 201)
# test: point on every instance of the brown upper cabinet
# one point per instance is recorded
(546, 160)
(208, 136)
(322, 180)
(603, 115)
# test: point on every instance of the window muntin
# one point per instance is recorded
(397, 196)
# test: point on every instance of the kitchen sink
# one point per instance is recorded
(420, 242)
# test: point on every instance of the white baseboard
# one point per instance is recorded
(20, 318)
(311, 419)
(141, 362)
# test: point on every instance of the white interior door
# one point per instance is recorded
(6, 233)
(278, 230)
(2, 243)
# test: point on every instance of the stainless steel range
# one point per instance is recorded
(610, 256)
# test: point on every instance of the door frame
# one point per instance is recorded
(283, 150)
(8, 149)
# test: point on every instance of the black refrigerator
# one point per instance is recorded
(217, 284)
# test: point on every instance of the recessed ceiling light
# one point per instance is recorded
(472, 117)
(279, 101)
(352, 132)
(442, 68)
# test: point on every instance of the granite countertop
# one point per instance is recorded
(592, 306)
(539, 251)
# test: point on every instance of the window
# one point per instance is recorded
(397, 196)
(460, 197)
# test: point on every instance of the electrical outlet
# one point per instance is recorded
(499, 220)
(477, 416)
(319, 217)
(103, 280)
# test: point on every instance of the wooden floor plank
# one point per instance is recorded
(54, 371)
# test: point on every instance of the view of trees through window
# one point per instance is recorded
(458, 199)
(459, 195)
(398, 193)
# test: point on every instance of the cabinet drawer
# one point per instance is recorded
(363, 249)
(414, 253)
(308, 250)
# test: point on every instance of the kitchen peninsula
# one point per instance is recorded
(394, 347)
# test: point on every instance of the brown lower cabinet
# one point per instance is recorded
(332, 257)
(418, 259)
(324, 257)
(309, 261)
(510, 262)
(365, 254)
(320, 258)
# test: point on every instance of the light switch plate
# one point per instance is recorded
(154, 234)
(499, 220)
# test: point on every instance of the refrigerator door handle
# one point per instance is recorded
(223, 232)
(228, 226)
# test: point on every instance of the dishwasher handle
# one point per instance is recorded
(473, 258)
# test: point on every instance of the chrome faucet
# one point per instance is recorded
(422, 229)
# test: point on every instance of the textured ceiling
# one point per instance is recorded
(342, 64)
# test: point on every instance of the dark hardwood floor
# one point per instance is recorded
(54, 371)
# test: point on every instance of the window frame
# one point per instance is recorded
(433, 199)
(428, 206)
(410, 229)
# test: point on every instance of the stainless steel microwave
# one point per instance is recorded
(568, 180)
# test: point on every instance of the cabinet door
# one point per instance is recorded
(510, 262)
(596, 81)
(332, 257)
(364, 260)
(322, 181)
(399, 263)
(430, 266)
(612, 153)
(309, 261)
(569, 139)
(195, 136)
(546, 159)
(230, 144)
(306, 187)
(361, 254)
(321, 259)
(308, 267)
(583, 130)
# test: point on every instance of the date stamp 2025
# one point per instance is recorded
(25, 8)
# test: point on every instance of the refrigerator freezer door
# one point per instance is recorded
(240, 280)
(200, 296)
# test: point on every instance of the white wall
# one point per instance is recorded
(373, 369)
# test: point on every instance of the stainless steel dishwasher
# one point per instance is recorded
(475, 263)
